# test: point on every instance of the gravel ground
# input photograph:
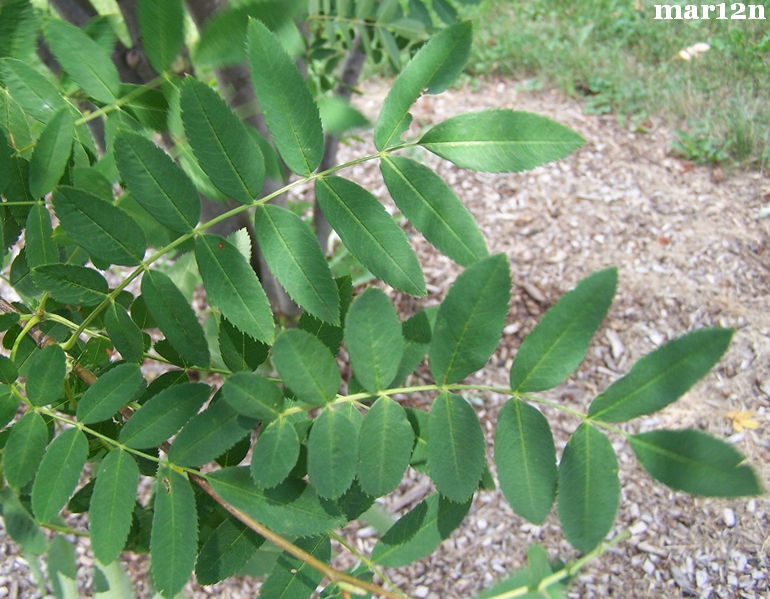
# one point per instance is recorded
(691, 252)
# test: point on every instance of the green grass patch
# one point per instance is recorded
(622, 61)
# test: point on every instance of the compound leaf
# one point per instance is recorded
(470, 320)
(499, 141)
(51, 153)
(291, 508)
(162, 28)
(102, 229)
(224, 149)
(434, 68)
(293, 578)
(694, 462)
(662, 376)
(24, 449)
(385, 446)
(174, 536)
(526, 460)
(293, 255)
(70, 284)
(374, 341)
(588, 488)
(97, 76)
(370, 233)
(560, 340)
(420, 531)
(290, 112)
(209, 434)
(114, 389)
(434, 209)
(332, 453)
(455, 447)
(174, 316)
(45, 375)
(156, 182)
(163, 415)
(112, 504)
(306, 366)
(275, 453)
(58, 473)
(232, 286)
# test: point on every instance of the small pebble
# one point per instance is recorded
(701, 578)
(638, 527)
(421, 591)
(729, 517)
(648, 567)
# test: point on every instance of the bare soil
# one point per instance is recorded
(691, 252)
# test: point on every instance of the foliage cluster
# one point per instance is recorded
(82, 425)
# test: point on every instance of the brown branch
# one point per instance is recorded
(332, 574)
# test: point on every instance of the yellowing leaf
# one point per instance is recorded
(742, 420)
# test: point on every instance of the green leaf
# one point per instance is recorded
(123, 332)
(385, 447)
(5, 155)
(588, 488)
(537, 569)
(38, 236)
(332, 452)
(694, 462)
(70, 284)
(224, 149)
(331, 335)
(498, 141)
(162, 27)
(8, 374)
(306, 366)
(163, 415)
(445, 11)
(232, 286)
(112, 504)
(370, 233)
(560, 340)
(18, 29)
(209, 434)
(102, 229)
(24, 449)
(416, 332)
(253, 396)
(455, 447)
(156, 182)
(226, 551)
(291, 508)
(58, 473)
(32, 91)
(290, 113)
(526, 460)
(275, 453)
(62, 570)
(238, 350)
(51, 153)
(45, 375)
(114, 389)
(293, 255)
(374, 341)
(20, 525)
(470, 320)
(294, 578)
(174, 316)
(420, 531)
(434, 209)
(339, 117)
(97, 76)
(433, 68)
(174, 537)
(662, 376)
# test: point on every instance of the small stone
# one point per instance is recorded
(421, 591)
(701, 578)
(638, 527)
(648, 567)
(729, 517)
(481, 524)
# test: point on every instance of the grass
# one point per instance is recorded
(621, 60)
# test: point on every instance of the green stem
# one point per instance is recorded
(566, 572)
(374, 568)
(30, 324)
